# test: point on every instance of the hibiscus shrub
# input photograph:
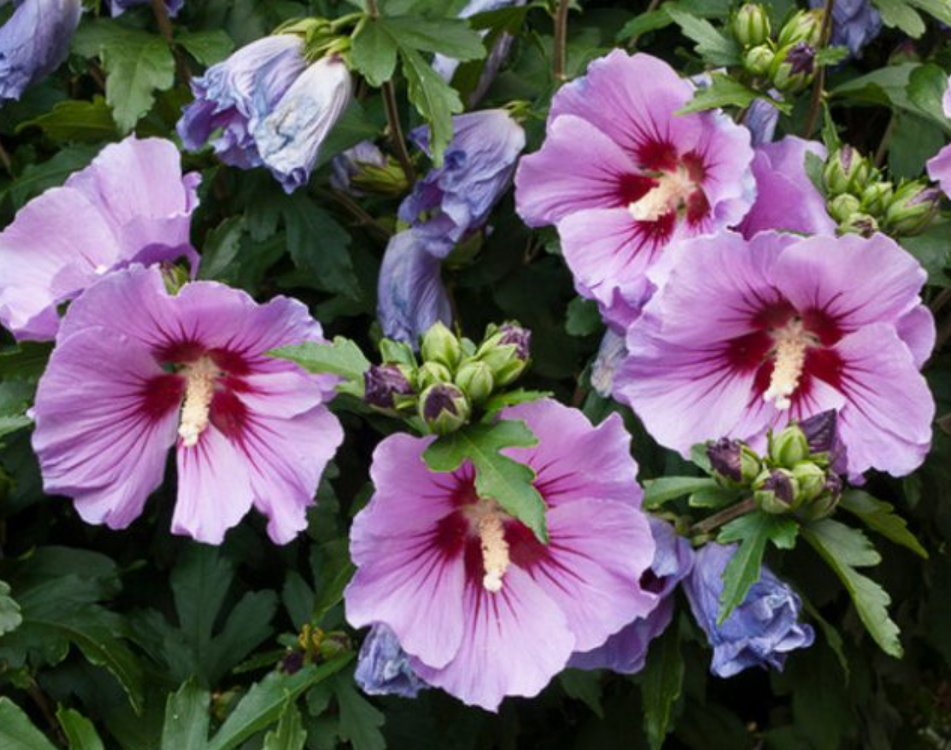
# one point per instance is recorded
(475, 373)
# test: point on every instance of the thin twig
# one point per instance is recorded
(396, 131)
(651, 7)
(724, 516)
(941, 300)
(820, 81)
(46, 708)
(559, 63)
(165, 28)
(356, 210)
(6, 161)
(886, 137)
(372, 9)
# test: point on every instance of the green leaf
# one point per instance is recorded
(511, 398)
(643, 23)
(290, 734)
(360, 721)
(17, 731)
(15, 398)
(663, 678)
(319, 245)
(899, 14)
(374, 52)
(713, 46)
(332, 570)
(663, 490)
(79, 730)
(815, 166)
(448, 36)
(433, 98)
(264, 703)
(712, 497)
(73, 120)
(498, 477)
(843, 550)
(584, 685)
(10, 617)
(186, 718)
(940, 9)
(927, 85)
(933, 250)
(724, 91)
(53, 172)
(342, 357)
(752, 531)
(880, 516)
(583, 318)
(208, 47)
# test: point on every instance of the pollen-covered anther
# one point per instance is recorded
(789, 359)
(199, 390)
(495, 550)
(669, 194)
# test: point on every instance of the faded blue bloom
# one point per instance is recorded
(855, 23)
(761, 119)
(34, 42)
(611, 354)
(410, 292)
(456, 198)
(349, 163)
(626, 651)
(760, 632)
(383, 667)
(447, 66)
(234, 95)
(118, 7)
(290, 137)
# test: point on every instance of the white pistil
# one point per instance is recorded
(495, 550)
(789, 359)
(669, 194)
(199, 389)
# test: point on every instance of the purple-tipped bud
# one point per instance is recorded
(822, 434)
(793, 67)
(383, 384)
(293, 662)
(506, 350)
(444, 408)
(861, 224)
(521, 337)
(847, 171)
(776, 491)
(827, 500)
(912, 208)
(724, 457)
(802, 59)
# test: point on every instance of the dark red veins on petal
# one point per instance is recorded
(632, 187)
(180, 352)
(698, 207)
(229, 414)
(822, 325)
(161, 395)
(657, 156)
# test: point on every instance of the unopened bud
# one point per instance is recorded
(507, 351)
(476, 379)
(441, 345)
(846, 171)
(793, 67)
(444, 408)
(861, 224)
(876, 197)
(842, 207)
(811, 480)
(789, 447)
(733, 461)
(776, 491)
(384, 384)
(826, 502)
(430, 373)
(912, 208)
(805, 26)
(758, 60)
(825, 445)
(751, 25)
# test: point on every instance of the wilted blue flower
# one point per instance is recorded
(446, 66)
(760, 632)
(456, 198)
(235, 94)
(626, 651)
(290, 137)
(610, 355)
(761, 119)
(34, 42)
(118, 7)
(383, 667)
(855, 23)
(411, 296)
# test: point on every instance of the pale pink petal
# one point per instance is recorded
(917, 329)
(939, 169)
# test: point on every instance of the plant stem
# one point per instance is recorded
(724, 516)
(46, 708)
(651, 7)
(941, 300)
(396, 131)
(165, 28)
(372, 9)
(6, 161)
(561, 41)
(883, 144)
(819, 84)
(356, 210)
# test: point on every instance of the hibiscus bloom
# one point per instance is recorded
(137, 370)
(622, 176)
(131, 204)
(747, 335)
(939, 166)
(482, 608)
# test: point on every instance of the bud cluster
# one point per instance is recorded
(786, 62)
(450, 378)
(863, 202)
(800, 472)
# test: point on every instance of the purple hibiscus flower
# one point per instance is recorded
(855, 23)
(34, 42)
(626, 650)
(269, 108)
(136, 371)
(622, 176)
(483, 609)
(118, 7)
(383, 667)
(786, 199)
(746, 335)
(760, 632)
(939, 166)
(131, 204)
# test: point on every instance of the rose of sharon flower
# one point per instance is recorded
(622, 176)
(383, 666)
(760, 632)
(483, 609)
(747, 335)
(118, 7)
(136, 371)
(786, 199)
(626, 651)
(855, 23)
(939, 166)
(131, 204)
(34, 42)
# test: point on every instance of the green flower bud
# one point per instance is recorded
(758, 60)
(789, 447)
(826, 502)
(793, 67)
(751, 25)
(476, 379)
(333, 645)
(776, 491)
(811, 480)
(804, 26)
(846, 171)
(389, 180)
(441, 345)
(912, 208)
(506, 351)
(444, 408)
(387, 387)
(876, 197)
(842, 207)
(861, 224)
(430, 373)
(734, 463)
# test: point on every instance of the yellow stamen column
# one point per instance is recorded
(199, 390)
